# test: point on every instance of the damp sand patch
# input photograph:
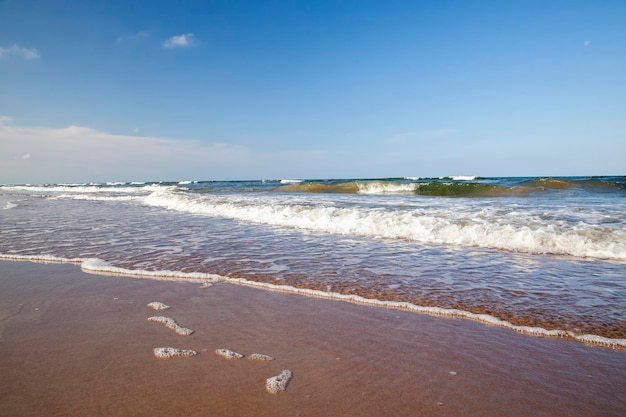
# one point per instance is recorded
(168, 352)
(157, 305)
(171, 324)
(260, 357)
(278, 383)
(228, 354)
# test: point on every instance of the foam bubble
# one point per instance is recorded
(157, 305)
(228, 354)
(260, 357)
(278, 383)
(170, 352)
(171, 324)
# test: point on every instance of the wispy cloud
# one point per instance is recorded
(133, 39)
(19, 52)
(82, 153)
(587, 43)
(180, 41)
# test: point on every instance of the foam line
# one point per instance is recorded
(97, 266)
(228, 354)
(168, 352)
(278, 383)
(171, 324)
(157, 305)
(436, 311)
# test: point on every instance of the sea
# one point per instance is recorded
(544, 256)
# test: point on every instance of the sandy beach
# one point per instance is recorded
(75, 344)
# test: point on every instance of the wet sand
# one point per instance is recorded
(75, 344)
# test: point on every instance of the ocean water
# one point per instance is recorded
(543, 256)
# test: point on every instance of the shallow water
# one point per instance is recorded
(65, 333)
(516, 258)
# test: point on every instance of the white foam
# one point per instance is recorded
(157, 305)
(286, 181)
(98, 266)
(382, 187)
(278, 383)
(44, 259)
(168, 352)
(260, 357)
(170, 323)
(464, 177)
(451, 222)
(228, 354)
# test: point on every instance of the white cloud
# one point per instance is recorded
(180, 41)
(17, 51)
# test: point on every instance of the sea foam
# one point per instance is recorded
(471, 223)
(278, 383)
(260, 357)
(171, 324)
(228, 354)
(170, 352)
(157, 305)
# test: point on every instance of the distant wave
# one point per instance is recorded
(424, 188)
(591, 184)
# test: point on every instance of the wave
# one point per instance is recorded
(8, 205)
(318, 187)
(591, 184)
(530, 233)
(421, 188)
(84, 188)
(99, 266)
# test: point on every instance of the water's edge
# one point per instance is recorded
(100, 267)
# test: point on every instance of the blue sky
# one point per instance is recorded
(174, 90)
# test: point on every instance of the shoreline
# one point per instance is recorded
(74, 343)
(100, 267)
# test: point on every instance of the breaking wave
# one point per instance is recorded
(476, 226)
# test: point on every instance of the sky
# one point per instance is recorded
(94, 91)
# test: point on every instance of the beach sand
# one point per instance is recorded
(75, 344)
